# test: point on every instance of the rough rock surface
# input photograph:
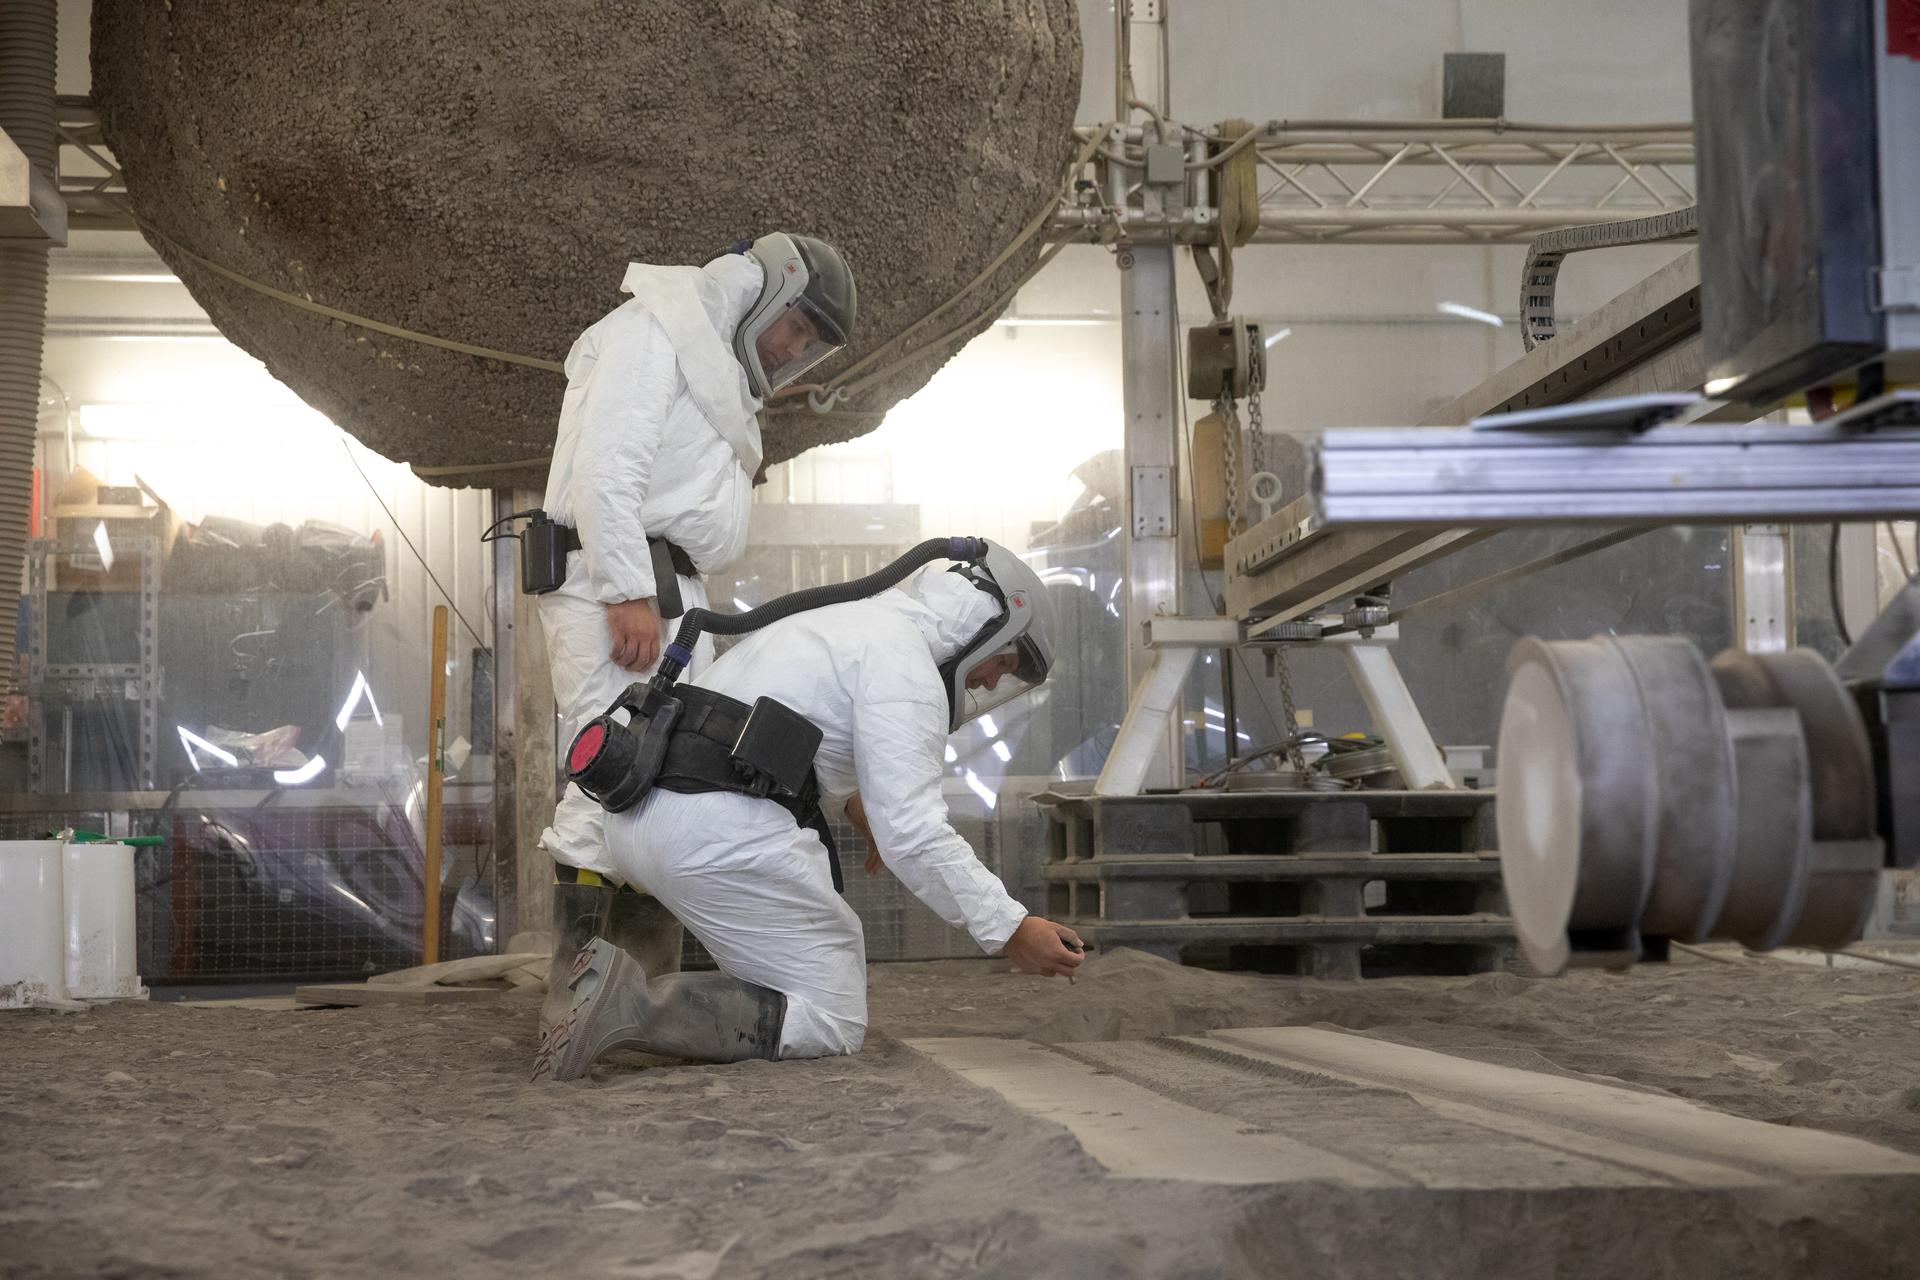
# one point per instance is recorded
(482, 172)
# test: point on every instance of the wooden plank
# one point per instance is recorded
(1291, 1104)
(1660, 1133)
(453, 972)
(347, 994)
(1135, 1132)
(436, 774)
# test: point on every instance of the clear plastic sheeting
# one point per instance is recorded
(233, 670)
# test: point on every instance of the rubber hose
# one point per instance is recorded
(28, 40)
(704, 621)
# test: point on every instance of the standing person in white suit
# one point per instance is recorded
(651, 483)
(885, 680)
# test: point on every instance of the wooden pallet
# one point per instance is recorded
(1343, 884)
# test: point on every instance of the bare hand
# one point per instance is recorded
(1040, 947)
(636, 633)
(857, 819)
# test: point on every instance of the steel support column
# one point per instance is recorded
(1148, 332)
(1763, 616)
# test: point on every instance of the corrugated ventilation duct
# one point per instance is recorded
(28, 31)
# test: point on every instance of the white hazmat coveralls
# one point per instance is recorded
(752, 884)
(641, 452)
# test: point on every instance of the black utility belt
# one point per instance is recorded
(545, 545)
(698, 740)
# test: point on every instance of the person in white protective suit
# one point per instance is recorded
(653, 472)
(886, 680)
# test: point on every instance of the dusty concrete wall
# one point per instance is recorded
(483, 171)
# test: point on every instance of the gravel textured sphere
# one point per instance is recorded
(482, 172)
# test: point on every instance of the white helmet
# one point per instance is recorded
(1011, 654)
(804, 312)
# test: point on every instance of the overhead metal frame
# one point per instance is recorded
(1410, 182)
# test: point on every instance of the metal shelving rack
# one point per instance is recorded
(61, 685)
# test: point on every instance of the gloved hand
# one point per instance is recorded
(636, 633)
(1039, 947)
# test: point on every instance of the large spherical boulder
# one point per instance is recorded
(482, 172)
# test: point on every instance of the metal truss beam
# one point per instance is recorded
(1410, 182)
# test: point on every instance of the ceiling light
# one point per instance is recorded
(1470, 313)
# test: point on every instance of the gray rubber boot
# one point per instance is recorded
(640, 925)
(701, 1017)
(580, 914)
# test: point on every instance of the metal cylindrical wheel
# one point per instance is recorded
(1846, 856)
(1694, 768)
(1774, 841)
(1577, 816)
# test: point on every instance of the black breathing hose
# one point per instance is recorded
(704, 621)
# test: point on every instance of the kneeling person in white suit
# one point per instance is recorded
(886, 680)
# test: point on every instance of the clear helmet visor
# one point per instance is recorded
(998, 678)
(797, 339)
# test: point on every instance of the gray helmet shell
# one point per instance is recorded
(803, 272)
(1020, 625)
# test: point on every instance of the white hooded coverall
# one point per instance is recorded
(752, 884)
(653, 392)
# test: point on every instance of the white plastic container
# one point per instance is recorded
(32, 924)
(101, 963)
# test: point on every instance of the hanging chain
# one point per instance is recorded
(1295, 756)
(1257, 446)
(1230, 453)
(1257, 459)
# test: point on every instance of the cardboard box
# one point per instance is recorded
(79, 523)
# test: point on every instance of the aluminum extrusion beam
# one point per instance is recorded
(1669, 475)
(1290, 565)
(1644, 340)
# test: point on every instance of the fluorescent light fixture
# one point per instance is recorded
(1720, 386)
(986, 793)
(1470, 313)
(952, 755)
(136, 277)
(353, 898)
(305, 773)
(1047, 322)
(1003, 751)
(103, 544)
(191, 741)
(741, 605)
(988, 727)
(1274, 339)
(167, 337)
(360, 690)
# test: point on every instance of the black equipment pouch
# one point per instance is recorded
(778, 743)
(543, 554)
(545, 545)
